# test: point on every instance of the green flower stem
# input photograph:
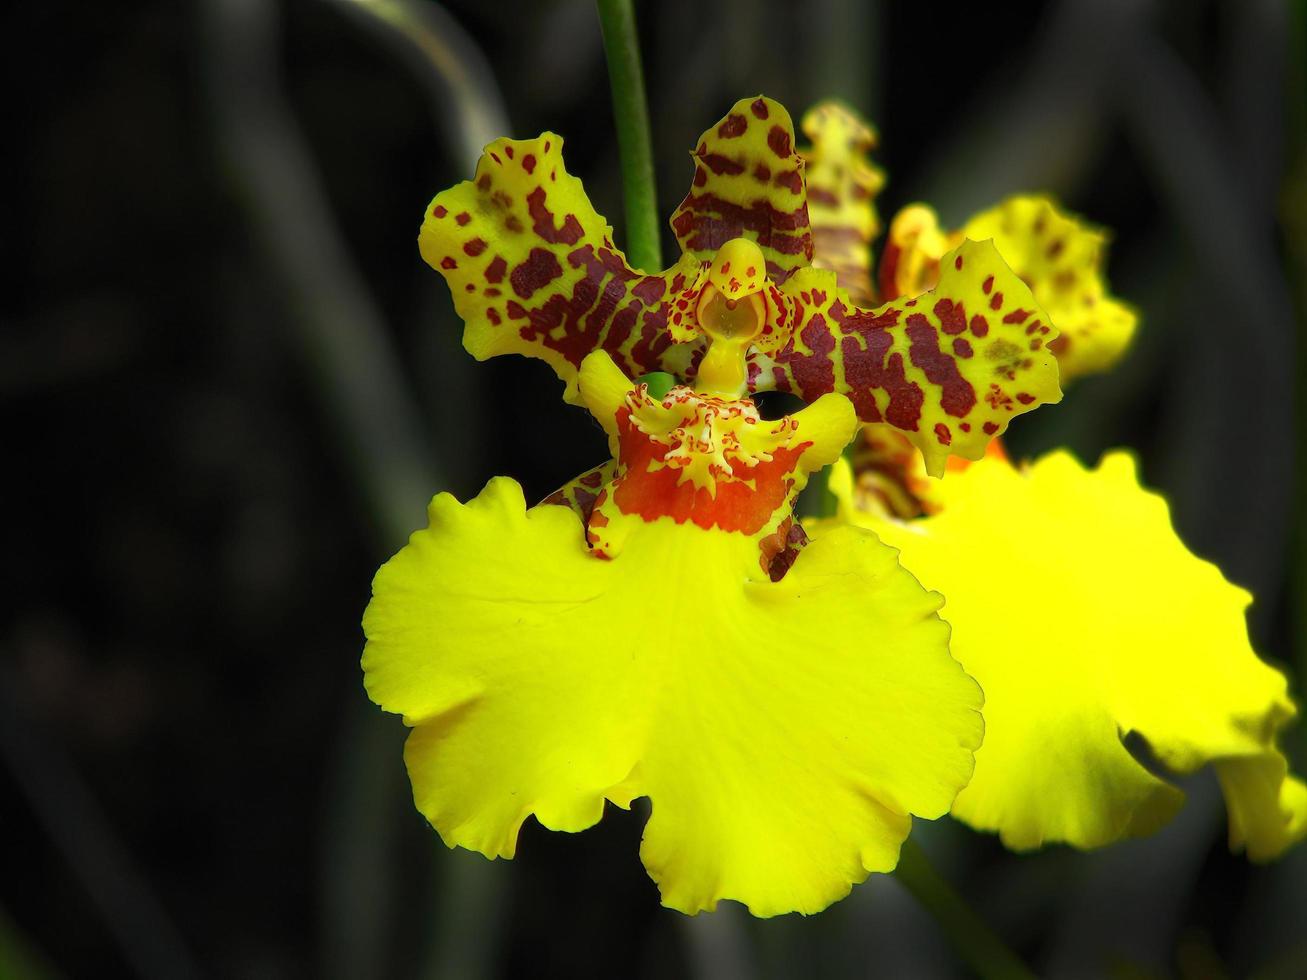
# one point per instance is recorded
(983, 951)
(631, 112)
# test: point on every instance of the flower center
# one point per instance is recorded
(731, 313)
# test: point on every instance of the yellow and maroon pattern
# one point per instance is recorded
(1059, 257)
(949, 369)
(748, 183)
(1062, 259)
(842, 189)
(533, 269)
(581, 493)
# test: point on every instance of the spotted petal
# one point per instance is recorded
(842, 189)
(533, 269)
(949, 368)
(1058, 256)
(1127, 632)
(748, 183)
(1062, 260)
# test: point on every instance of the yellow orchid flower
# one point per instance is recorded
(668, 632)
(547, 664)
(1140, 637)
(533, 270)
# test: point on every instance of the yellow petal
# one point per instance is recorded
(842, 188)
(914, 246)
(748, 183)
(949, 369)
(533, 270)
(1118, 629)
(785, 732)
(1062, 259)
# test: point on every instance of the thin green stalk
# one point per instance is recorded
(631, 113)
(983, 951)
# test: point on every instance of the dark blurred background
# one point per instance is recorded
(229, 385)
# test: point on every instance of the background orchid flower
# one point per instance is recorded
(1139, 640)
(533, 270)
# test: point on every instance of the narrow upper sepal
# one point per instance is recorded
(748, 183)
(842, 188)
(533, 269)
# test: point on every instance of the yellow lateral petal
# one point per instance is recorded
(533, 270)
(949, 368)
(1119, 629)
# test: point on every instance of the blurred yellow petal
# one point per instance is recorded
(784, 731)
(1062, 259)
(1120, 629)
(533, 270)
(842, 188)
(914, 246)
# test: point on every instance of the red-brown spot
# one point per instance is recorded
(751, 271)
(996, 301)
(496, 269)
(1016, 316)
(508, 152)
(957, 263)
(952, 317)
(732, 126)
(493, 316)
(979, 325)
(448, 262)
(762, 173)
(529, 163)
(961, 348)
(759, 108)
(475, 247)
(778, 138)
(790, 180)
(943, 434)
(543, 221)
(720, 164)
(439, 211)
(495, 157)
(990, 428)
(462, 218)
(1025, 398)
(988, 284)
(957, 397)
(538, 270)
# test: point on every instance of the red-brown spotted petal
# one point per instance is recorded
(581, 493)
(533, 269)
(949, 368)
(842, 189)
(748, 183)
